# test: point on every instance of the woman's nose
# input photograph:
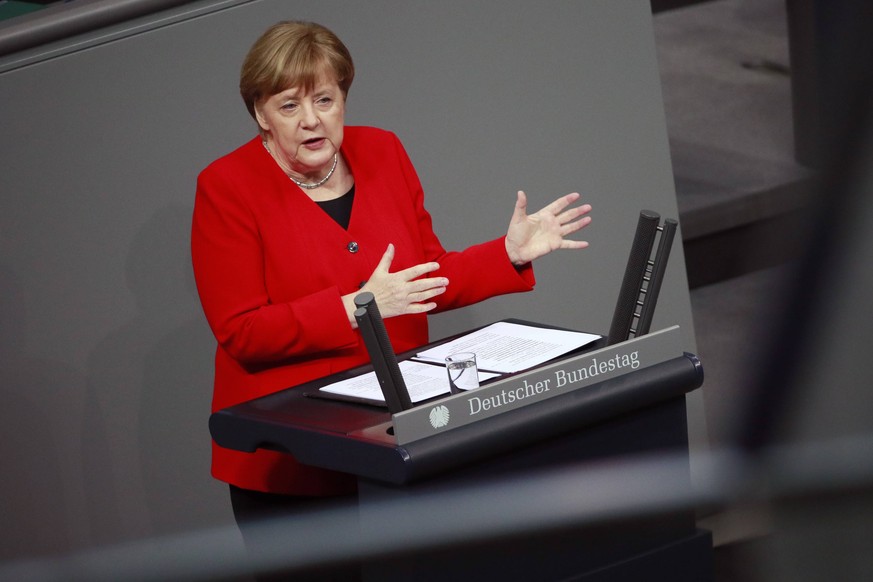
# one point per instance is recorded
(309, 118)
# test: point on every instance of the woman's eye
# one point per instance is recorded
(289, 107)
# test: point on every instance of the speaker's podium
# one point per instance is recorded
(601, 402)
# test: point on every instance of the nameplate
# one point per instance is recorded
(544, 382)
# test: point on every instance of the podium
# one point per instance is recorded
(608, 415)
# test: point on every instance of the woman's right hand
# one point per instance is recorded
(401, 292)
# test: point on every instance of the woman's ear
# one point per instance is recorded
(261, 119)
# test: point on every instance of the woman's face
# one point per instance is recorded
(304, 129)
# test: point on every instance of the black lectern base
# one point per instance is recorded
(688, 559)
(666, 547)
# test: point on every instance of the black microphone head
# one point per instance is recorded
(364, 299)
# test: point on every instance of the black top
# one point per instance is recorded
(340, 209)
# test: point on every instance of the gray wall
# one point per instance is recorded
(105, 369)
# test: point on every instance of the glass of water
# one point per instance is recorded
(463, 374)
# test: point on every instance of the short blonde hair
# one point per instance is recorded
(293, 54)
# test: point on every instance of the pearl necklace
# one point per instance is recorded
(309, 185)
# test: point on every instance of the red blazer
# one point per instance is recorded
(271, 266)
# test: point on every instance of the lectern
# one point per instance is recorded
(588, 407)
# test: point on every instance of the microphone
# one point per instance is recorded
(381, 353)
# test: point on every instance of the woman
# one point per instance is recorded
(292, 225)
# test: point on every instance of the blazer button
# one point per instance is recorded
(352, 247)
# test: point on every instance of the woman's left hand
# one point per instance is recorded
(531, 236)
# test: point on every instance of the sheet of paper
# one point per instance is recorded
(423, 381)
(510, 347)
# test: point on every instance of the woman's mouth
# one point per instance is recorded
(313, 143)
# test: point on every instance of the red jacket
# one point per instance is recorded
(271, 266)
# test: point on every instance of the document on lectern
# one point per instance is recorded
(423, 381)
(500, 348)
(505, 347)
